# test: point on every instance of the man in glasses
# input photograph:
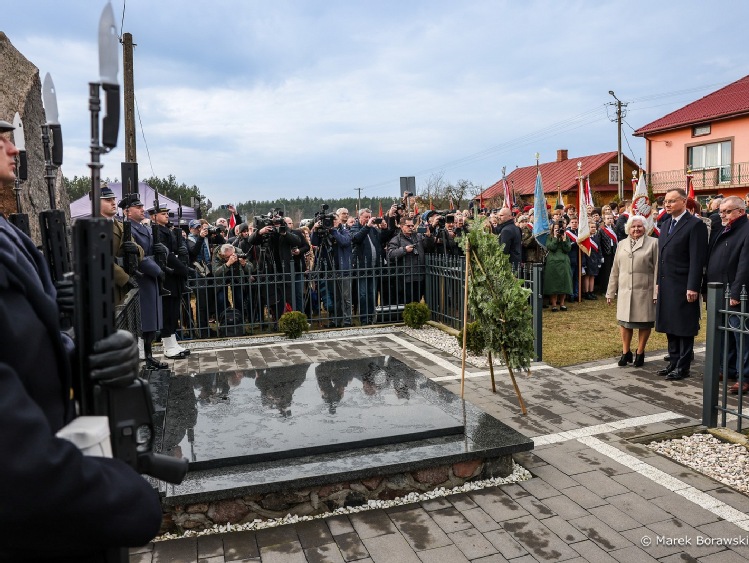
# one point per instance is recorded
(406, 252)
(728, 262)
(682, 253)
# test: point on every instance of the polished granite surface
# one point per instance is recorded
(251, 416)
(480, 436)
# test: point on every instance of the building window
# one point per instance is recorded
(700, 130)
(711, 156)
(613, 173)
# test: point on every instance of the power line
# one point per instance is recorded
(143, 134)
(122, 22)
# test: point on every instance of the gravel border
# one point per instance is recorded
(519, 473)
(725, 462)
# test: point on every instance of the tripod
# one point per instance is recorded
(324, 272)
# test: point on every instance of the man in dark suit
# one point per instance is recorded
(728, 263)
(682, 254)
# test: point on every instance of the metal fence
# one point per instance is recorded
(717, 178)
(727, 346)
(127, 315)
(239, 304)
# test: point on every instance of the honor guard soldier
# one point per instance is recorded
(57, 504)
(149, 277)
(175, 281)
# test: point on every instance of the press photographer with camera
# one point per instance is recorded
(333, 240)
(406, 251)
(368, 239)
(437, 224)
(231, 268)
(273, 242)
(57, 504)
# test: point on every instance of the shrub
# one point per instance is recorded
(416, 314)
(293, 324)
(475, 340)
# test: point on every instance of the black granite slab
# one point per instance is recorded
(251, 416)
(483, 437)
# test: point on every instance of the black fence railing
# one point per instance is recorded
(127, 315)
(238, 304)
(727, 346)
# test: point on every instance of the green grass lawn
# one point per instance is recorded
(588, 331)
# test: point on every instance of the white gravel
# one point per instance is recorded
(725, 462)
(518, 474)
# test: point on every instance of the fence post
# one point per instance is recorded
(537, 304)
(712, 356)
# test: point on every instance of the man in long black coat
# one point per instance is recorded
(682, 254)
(728, 263)
(57, 504)
(509, 235)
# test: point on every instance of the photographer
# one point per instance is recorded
(57, 504)
(200, 258)
(231, 268)
(406, 252)
(557, 273)
(367, 239)
(273, 242)
(299, 261)
(334, 255)
(444, 238)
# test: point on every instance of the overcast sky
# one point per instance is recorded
(256, 100)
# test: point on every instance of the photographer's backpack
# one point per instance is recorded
(230, 324)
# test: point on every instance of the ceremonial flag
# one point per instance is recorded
(232, 224)
(416, 209)
(452, 204)
(641, 204)
(541, 216)
(431, 205)
(588, 192)
(583, 229)
(560, 201)
(690, 186)
(508, 203)
(481, 202)
(380, 209)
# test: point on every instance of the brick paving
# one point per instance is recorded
(580, 505)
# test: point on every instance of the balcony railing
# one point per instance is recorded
(722, 177)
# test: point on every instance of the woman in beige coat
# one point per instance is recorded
(632, 280)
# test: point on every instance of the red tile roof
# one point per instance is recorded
(564, 173)
(729, 101)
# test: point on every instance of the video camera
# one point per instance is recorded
(274, 219)
(327, 220)
(216, 230)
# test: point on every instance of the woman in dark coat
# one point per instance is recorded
(557, 273)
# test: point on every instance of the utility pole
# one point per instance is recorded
(620, 161)
(130, 166)
(359, 204)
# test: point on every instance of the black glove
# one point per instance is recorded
(131, 283)
(114, 360)
(129, 247)
(160, 249)
(65, 297)
(182, 252)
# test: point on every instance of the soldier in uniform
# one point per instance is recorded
(148, 281)
(57, 504)
(122, 281)
(175, 281)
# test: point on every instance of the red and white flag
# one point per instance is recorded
(641, 204)
(690, 186)
(508, 203)
(583, 229)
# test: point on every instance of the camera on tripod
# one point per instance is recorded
(327, 220)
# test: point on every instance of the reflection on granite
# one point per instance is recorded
(482, 436)
(250, 416)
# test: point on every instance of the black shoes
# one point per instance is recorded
(153, 364)
(639, 360)
(665, 371)
(677, 375)
(590, 296)
(625, 359)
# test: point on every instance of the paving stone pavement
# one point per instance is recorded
(596, 494)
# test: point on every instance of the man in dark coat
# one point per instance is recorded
(57, 504)
(368, 241)
(682, 254)
(406, 252)
(149, 274)
(509, 235)
(728, 263)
